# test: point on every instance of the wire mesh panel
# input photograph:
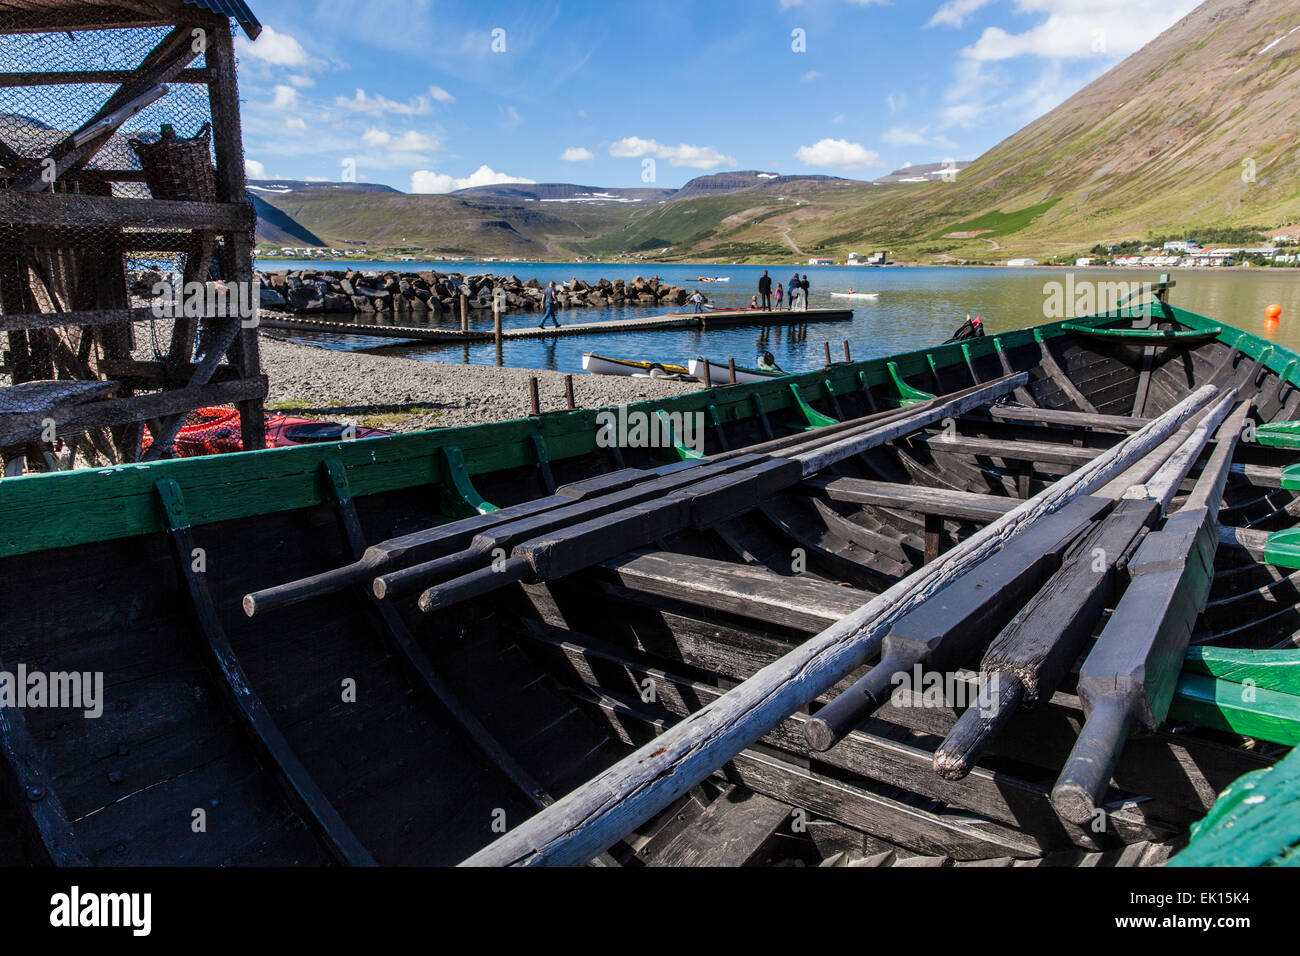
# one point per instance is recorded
(105, 111)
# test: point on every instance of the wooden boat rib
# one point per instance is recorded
(554, 609)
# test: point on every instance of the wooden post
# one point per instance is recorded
(464, 312)
(534, 396)
(568, 392)
(496, 322)
(933, 530)
(848, 357)
(587, 820)
(829, 363)
(731, 365)
(227, 139)
(708, 375)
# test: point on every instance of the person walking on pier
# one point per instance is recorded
(780, 295)
(765, 291)
(807, 292)
(792, 290)
(698, 300)
(548, 300)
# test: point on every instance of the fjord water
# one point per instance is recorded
(916, 307)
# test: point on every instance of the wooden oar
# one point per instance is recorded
(506, 535)
(647, 781)
(1129, 676)
(1028, 660)
(560, 550)
(454, 536)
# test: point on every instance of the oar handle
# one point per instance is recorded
(1087, 773)
(475, 584)
(833, 722)
(977, 727)
(304, 589)
(395, 583)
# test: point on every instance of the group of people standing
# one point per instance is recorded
(796, 295)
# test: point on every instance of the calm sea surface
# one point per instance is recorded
(916, 307)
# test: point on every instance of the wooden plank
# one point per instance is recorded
(732, 831)
(16, 429)
(1027, 451)
(62, 210)
(1054, 416)
(966, 506)
(587, 820)
(197, 75)
(798, 602)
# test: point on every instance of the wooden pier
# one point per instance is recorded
(681, 320)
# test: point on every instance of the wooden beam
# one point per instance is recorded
(17, 429)
(966, 506)
(1053, 416)
(593, 816)
(59, 210)
(797, 602)
(198, 75)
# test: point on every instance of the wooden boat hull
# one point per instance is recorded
(341, 730)
(720, 373)
(602, 365)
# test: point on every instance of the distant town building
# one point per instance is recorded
(1021, 263)
(821, 262)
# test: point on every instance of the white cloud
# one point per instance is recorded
(300, 81)
(296, 123)
(408, 142)
(954, 13)
(577, 154)
(903, 136)
(839, 154)
(510, 117)
(278, 49)
(425, 181)
(379, 105)
(441, 95)
(286, 98)
(1081, 29)
(254, 170)
(809, 76)
(696, 157)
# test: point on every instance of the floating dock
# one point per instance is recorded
(679, 320)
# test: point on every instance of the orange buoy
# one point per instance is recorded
(1273, 313)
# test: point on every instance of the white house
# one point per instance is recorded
(1021, 263)
(821, 262)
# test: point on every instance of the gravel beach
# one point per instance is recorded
(403, 395)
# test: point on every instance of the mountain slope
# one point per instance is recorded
(1158, 145)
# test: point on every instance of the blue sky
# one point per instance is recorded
(435, 95)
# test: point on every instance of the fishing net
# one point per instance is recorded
(106, 101)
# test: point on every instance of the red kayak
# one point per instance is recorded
(215, 431)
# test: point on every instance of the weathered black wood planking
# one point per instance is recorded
(251, 711)
(953, 624)
(1004, 798)
(1180, 770)
(732, 831)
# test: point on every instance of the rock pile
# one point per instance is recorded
(433, 292)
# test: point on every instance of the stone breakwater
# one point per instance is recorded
(309, 291)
